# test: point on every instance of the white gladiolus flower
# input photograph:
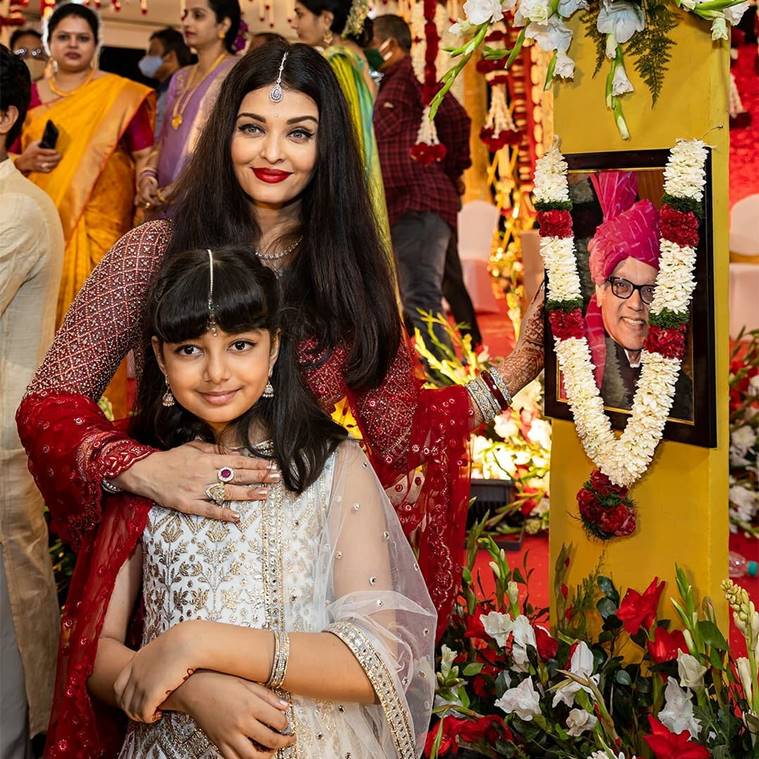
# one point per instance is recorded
(734, 13)
(579, 721)
(482, 11)
(524, 636)
(524, 701)
(620, 19)
(565, 66)
(497, 626)
(460, 28)
(684, 174)
(719, 28)
(537, 11)
(691, 673)
(512, 590)
(549, 35)
(568, 7)
(581, 665)
(677, 714)
(742, 438)
(621, 83)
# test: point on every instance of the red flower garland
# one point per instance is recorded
(555, 223)
(680, 227)
(428, 154)
(505, 137)
(605, 509)
(669, 341)
(566, 324)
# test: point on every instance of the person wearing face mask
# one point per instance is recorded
(423, 201)
(210, 28)
(27, 45)
(166, 54)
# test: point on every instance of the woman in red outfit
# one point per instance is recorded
(247, 183)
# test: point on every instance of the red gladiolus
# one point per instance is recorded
(665, 645)
(669, 341)
(680, 227)
(667, 745)
(566, 324)
(638, 610)
(547, 645)
(446, 744)
(555, 223)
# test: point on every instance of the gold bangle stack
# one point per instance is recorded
(279, 660)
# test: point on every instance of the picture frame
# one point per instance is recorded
(693, 416)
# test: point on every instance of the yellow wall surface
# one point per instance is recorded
(682, 501)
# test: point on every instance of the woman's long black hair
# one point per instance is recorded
(340, 286)
(246, 297)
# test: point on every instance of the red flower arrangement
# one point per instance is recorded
(668, 745)
(669, 341)
(605, 509)
(639, 609)
(495, 142)
(555, 223)
(428, 154)
(680, 227)
(665, 645)
(566, 324)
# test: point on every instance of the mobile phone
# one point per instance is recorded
(49, 136)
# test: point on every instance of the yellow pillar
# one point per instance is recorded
(682, 501)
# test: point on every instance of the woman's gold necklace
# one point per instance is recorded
(177, 114)
(65, 93)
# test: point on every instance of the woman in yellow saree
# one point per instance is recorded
(331, 26)
(105, 128)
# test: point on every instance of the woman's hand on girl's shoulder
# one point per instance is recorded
(243, 719)
(178, 479)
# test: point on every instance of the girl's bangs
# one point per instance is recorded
(238, 300)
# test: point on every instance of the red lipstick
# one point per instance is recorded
(271, 176)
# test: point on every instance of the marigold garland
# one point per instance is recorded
(605, 507)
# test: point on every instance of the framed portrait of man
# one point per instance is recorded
(615, 211)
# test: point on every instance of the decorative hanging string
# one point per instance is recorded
(428, 147)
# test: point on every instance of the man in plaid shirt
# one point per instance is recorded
(422, 201)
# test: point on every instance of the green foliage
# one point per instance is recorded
(651, 47)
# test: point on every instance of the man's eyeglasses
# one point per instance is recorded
(623, 288)
(36, 53)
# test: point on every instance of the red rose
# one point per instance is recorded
(667, 745)
(555, 223)
(680, 227)
(566, 324)
(590, 508)
(546, 644)
(665, 645)
(638, 610)
(611, 520)
(669, 341)
(604, 486)
(428, 154)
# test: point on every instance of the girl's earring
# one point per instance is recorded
(168, 396)
(268, 390)
(328, 37)
(221, 34)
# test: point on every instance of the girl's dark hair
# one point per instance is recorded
(340, 285)
(340, 10)
(246, 297)
(228, 9)
(74, 9)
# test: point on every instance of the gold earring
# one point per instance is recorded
(328, 37)
(221, 34)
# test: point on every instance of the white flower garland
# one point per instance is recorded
(625, 459)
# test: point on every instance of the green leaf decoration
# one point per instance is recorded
(554, 205)
(564, 305)
(473, 669)
(668, 319)
(651, 47)
(683, 204)
(712, 635)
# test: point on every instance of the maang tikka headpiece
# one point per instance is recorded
(211, 308)
(277, 93)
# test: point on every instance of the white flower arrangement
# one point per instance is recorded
(625, 459)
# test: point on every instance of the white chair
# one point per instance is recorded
(477, 223)
(744, 274)
(744, 226)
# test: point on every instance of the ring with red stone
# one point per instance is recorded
(225, 474)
